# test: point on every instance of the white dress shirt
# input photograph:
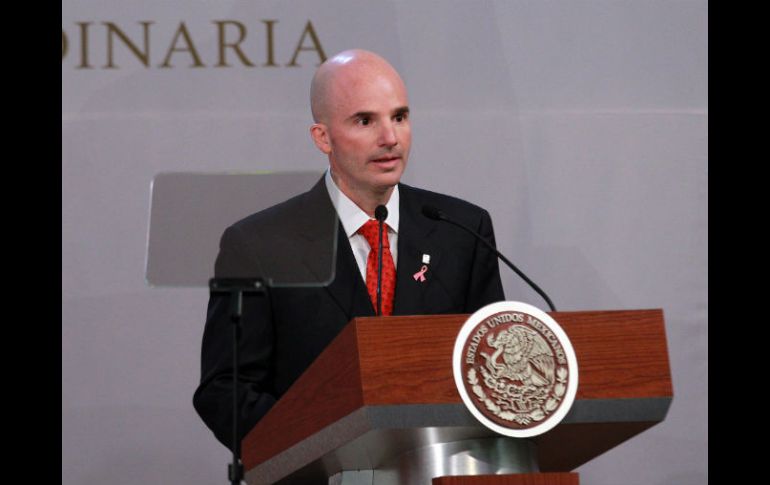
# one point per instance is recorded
(352, 218)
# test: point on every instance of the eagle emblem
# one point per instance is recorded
(515, 369)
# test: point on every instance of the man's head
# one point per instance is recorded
(361, 114)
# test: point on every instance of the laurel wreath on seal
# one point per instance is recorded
(523, 418)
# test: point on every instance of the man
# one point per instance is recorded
(361, 113)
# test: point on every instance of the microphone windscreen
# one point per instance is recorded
(381, 213)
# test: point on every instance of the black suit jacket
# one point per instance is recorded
(283, 332)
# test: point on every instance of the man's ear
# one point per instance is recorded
(321, 137)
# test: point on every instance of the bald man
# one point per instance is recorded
(361, 115)
(361, 123)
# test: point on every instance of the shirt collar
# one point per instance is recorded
(351, 216)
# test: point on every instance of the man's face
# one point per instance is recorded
(368, 134)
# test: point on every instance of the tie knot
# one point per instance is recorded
(370, 231)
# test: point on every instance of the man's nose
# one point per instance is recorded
(388, 136)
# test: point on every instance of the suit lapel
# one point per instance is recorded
(347, 288)
(413, 242)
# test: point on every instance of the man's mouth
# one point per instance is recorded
(386, 159)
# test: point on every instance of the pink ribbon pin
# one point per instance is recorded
(420, 275)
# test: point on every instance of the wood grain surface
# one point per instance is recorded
(409, 360)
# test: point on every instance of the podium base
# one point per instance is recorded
(487, 456)
(523, 479)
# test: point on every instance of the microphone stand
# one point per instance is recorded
(379, 273)
(236, 287)
(380, 213)
(437, 215)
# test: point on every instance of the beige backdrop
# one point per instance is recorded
(581, 125)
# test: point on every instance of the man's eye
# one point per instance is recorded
(364, 121)
(400, 118)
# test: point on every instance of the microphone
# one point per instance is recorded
(437, 215)
(380, 213)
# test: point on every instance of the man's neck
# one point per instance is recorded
(367, 200)
(352, 216)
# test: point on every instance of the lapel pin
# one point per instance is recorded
(426, 258)
(420, 275)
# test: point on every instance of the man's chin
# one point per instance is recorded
(388, 179)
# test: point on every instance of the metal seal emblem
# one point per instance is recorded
(515, 369)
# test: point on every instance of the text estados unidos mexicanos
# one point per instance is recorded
(492, 322)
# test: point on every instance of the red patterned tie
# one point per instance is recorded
(370, 231)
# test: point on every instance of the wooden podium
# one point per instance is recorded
(380, 405)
